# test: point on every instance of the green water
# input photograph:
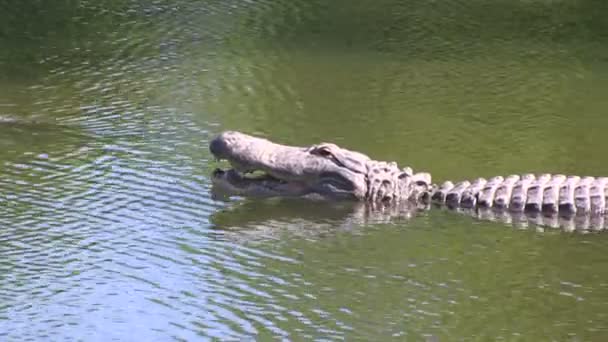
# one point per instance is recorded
(108, 229)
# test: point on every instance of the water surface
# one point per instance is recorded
(108, 229)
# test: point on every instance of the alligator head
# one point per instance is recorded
(261, 168)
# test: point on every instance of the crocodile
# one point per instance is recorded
(262, 168)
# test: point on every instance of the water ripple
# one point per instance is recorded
(108, 229)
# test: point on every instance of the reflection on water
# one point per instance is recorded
(108, 228)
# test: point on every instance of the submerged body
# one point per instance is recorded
(330, 172)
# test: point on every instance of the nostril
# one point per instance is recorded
(217, 147)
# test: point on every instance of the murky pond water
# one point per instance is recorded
(108, 229)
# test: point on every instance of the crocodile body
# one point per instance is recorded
(330, 172)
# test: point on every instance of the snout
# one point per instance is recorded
(219, 147)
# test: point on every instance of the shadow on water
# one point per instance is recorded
(302, 217)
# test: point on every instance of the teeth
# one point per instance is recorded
(248, 174)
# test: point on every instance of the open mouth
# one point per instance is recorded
(251, 176)
(256, 183)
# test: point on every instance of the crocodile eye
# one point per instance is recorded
(322, 151)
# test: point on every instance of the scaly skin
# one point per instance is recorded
(549, 194)
(557, 201)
